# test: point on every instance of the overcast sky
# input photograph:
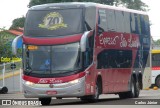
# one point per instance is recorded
(11, 9)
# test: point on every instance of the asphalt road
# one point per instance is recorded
(12, 83)
(107, 100)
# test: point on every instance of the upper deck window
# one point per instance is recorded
(56, 22)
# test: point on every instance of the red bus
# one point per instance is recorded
(84, 50)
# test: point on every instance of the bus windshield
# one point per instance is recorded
(51, 60)
(56, 22)
(156, 60)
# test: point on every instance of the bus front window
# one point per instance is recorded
(65, 57)
(53, 23)
(50, 60)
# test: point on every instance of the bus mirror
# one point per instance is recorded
(14, 44)
(84, 41)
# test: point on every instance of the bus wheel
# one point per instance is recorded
(131, 94)
(98, 87)
(158, 81)
(97, 92)
(134, 90)
(45, 101)
(137, 89)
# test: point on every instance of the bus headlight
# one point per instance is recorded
(74, 81)
(29, 83)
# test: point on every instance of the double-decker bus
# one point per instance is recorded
(84, 50)
(156, 67)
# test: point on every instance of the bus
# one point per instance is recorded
(156, 68)
(84, 50)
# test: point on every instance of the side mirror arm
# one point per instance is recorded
(14, 44)
(84, 40)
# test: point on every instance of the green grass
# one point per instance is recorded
(8, 68)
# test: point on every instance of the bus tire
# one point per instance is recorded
(4, 90)
(137, 89)
(134, 93)
(95, 97)
(45, 101)
(158, 81)
(131, 94)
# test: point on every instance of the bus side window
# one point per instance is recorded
(119, 21)
(110, 21)
(102, 21)
(114, 59)
(127, 28)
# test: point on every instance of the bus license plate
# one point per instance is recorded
(51, 92)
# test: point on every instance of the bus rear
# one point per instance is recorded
(156, 67)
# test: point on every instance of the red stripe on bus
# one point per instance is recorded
(53, 80)
(155, 68)
(52, 41)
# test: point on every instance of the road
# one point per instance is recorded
(113, 101)
(107, 100)
(12, 83)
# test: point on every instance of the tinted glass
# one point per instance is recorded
(114, 59)
(155, 59)
(52, 59)
(53, 22)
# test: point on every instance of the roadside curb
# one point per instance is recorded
(147, 88)
(8, 75)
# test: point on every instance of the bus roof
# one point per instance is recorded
(82, 4)
(155, 51)
(122, 9)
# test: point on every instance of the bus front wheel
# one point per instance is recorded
(45, 101)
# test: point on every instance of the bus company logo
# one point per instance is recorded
(53, 81)
(121, 40)
(53, 21)
(42, 81)
(49, 81)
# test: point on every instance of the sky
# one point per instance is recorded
(11, 9)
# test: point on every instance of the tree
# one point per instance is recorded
(18, 22)
(133, 4)
(5, 45)
(157, 42)
(5, 48)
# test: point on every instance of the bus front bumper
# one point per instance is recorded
(75, 88)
